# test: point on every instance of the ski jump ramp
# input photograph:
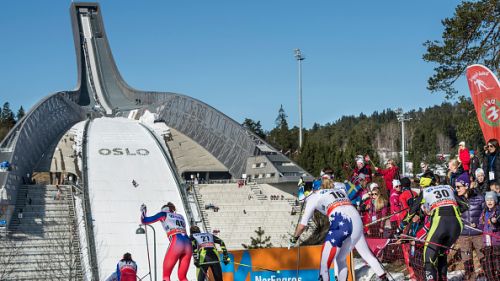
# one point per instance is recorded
(119, 151)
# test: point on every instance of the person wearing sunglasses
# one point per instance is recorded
(491, 164)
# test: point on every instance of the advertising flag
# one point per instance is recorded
(485, 92)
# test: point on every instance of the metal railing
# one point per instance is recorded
(89, 225)
(77, 247)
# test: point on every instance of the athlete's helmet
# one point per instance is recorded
(195, 229)
(425, 182)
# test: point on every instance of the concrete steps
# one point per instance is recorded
(243, 210)
(42, 242)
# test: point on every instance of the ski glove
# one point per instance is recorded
(225, 258)
(196, 258)
(143, 208)
(293, 241)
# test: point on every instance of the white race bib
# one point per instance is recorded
(491, 175)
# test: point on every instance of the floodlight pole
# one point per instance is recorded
(402, 119)
(299, 57)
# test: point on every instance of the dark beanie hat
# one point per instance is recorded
(405, 182)
(463, 179)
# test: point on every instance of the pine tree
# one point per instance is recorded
(20, 113)
(260, 241)
(281, 136)
(7, 116)
(280, 121)
(254, 127)
(471, 36)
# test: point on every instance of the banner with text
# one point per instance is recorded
(485, 92)
(278, 264)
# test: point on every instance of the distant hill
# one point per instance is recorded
(431, 131)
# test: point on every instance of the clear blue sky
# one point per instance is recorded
(237, 56)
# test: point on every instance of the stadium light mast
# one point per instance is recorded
(401, 118)
(299, 57)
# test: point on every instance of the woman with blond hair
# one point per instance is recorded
(376, 208)
(326, 183)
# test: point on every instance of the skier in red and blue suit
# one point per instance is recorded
(180, 245)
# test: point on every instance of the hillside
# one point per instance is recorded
(431, 131)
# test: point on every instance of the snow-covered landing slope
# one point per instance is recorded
(119, 151)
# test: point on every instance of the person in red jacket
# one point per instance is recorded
(362, 168)
(389, 173)
(406, 197)
(464, 156)
(126, 270)
(395, 203)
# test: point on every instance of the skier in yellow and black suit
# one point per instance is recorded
(446, 226)
(205, 254)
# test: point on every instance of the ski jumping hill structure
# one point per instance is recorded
(89, 145)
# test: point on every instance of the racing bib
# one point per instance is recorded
(334, 198)
(204, 240)
(174, 223)
(439, 196)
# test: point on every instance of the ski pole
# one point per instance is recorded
(209, 263)
(298, 240)
(385, 218)
(257, 267)
(429, 242)
(385, 270)
(479, 230)
(205, 273)
(242, 264)
(147, 249)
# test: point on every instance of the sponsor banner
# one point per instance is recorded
(278, 264)
(485, 92)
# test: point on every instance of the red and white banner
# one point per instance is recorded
(377, 245)
(485, 92)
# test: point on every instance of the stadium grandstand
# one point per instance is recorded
(83, 161)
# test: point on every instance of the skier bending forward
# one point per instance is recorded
(345, 233)
(180, 244)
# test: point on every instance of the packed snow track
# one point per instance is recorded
(120, 151)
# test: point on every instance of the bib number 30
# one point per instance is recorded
(441, 193)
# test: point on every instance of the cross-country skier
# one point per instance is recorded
(205, 253)
(345, 233)
(180, 245)
(446, 226)
(126, 270)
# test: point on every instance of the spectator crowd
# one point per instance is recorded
(383, 196)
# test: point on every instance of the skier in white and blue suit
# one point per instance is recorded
(345, 233)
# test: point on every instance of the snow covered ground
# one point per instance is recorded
(120, 150)
(365, 273)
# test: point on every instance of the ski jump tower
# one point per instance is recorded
(103, 101)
